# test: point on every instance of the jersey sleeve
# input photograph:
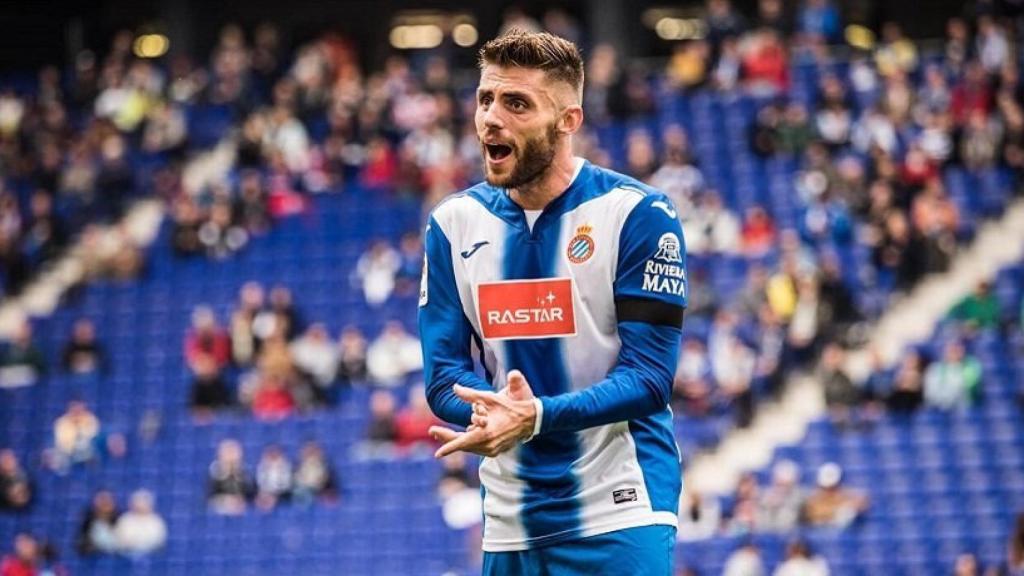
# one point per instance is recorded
(445, 332)
(652, 254)
(650, 298)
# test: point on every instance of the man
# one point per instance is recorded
(570, 281)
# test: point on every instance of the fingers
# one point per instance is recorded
(479, 416)
(442, 434)
(468, 441)
(518, 388)
(472, 395)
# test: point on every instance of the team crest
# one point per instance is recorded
(581, 247)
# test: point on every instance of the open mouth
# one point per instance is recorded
(498, 152)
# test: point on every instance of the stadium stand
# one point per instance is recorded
(940, 484)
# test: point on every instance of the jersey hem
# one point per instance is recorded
(650, 519)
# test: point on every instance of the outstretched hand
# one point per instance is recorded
(499, 421)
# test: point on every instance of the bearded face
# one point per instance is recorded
(514, 165)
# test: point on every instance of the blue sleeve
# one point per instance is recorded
(652, 254)
(650, 296)
(445, 332)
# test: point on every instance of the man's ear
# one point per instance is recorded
(571, 120)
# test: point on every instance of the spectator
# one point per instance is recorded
(711, 227)
(781, 503)
(455, 476)
(221, 235)
(907, 392)
(15, 488)
(209, 391)
(412, 424)
(140, 530)
(316, 355)
(678, 177)
(97, 534)
(411, 254)
(764, 61)
(758, 235)
(692, 385)
(979, 309)
(393, 355)
(272, 399)
(376, 270)
(353, 356)
(699, 516)
(77, 436)
(800, 562)
(206, 339)
(742, 518)
(896, 53)
(244, 342)
(723, 21)
(830, 504)
(954, 381)
(733, 365)
(230, 486)
(993, 45)
(250, 207)
(273, 478)
(842, 397)
(314, 476)
(838, 313)
(819, 22)
(744, 561)
(25, 560)
(187, 220)
(281, 318)
(794, 131)
(382, 429)
(22, 362)
(83, 354)
(46, 235)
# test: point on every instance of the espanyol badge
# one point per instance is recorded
(581, 247)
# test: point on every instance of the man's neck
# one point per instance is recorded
(552, 184)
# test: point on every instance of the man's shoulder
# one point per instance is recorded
(608, 181)
(464, 201)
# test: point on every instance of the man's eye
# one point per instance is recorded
(485, 100)
(517, 105)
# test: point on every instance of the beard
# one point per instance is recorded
(530, 164)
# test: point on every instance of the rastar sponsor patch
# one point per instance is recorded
(526, 309)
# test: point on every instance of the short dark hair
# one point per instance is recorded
(556, 56)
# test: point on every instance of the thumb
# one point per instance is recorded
(518, 387)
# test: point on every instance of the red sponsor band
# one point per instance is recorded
(526, 309)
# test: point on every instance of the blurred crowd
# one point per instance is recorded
(872, 147)
(266, 359)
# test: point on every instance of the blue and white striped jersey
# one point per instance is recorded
(588, 304)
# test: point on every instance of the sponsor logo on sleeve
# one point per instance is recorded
(664, 273)
(517, 309)
(581, 247)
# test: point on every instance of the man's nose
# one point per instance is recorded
(492, 117)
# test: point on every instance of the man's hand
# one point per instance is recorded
(500, 419)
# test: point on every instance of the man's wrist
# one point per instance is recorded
(538, 417)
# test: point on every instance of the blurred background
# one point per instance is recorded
(210, 219)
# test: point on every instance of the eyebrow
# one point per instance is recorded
(508, 94)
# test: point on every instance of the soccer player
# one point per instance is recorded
(569, 281)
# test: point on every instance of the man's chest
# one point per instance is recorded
(545, 283)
